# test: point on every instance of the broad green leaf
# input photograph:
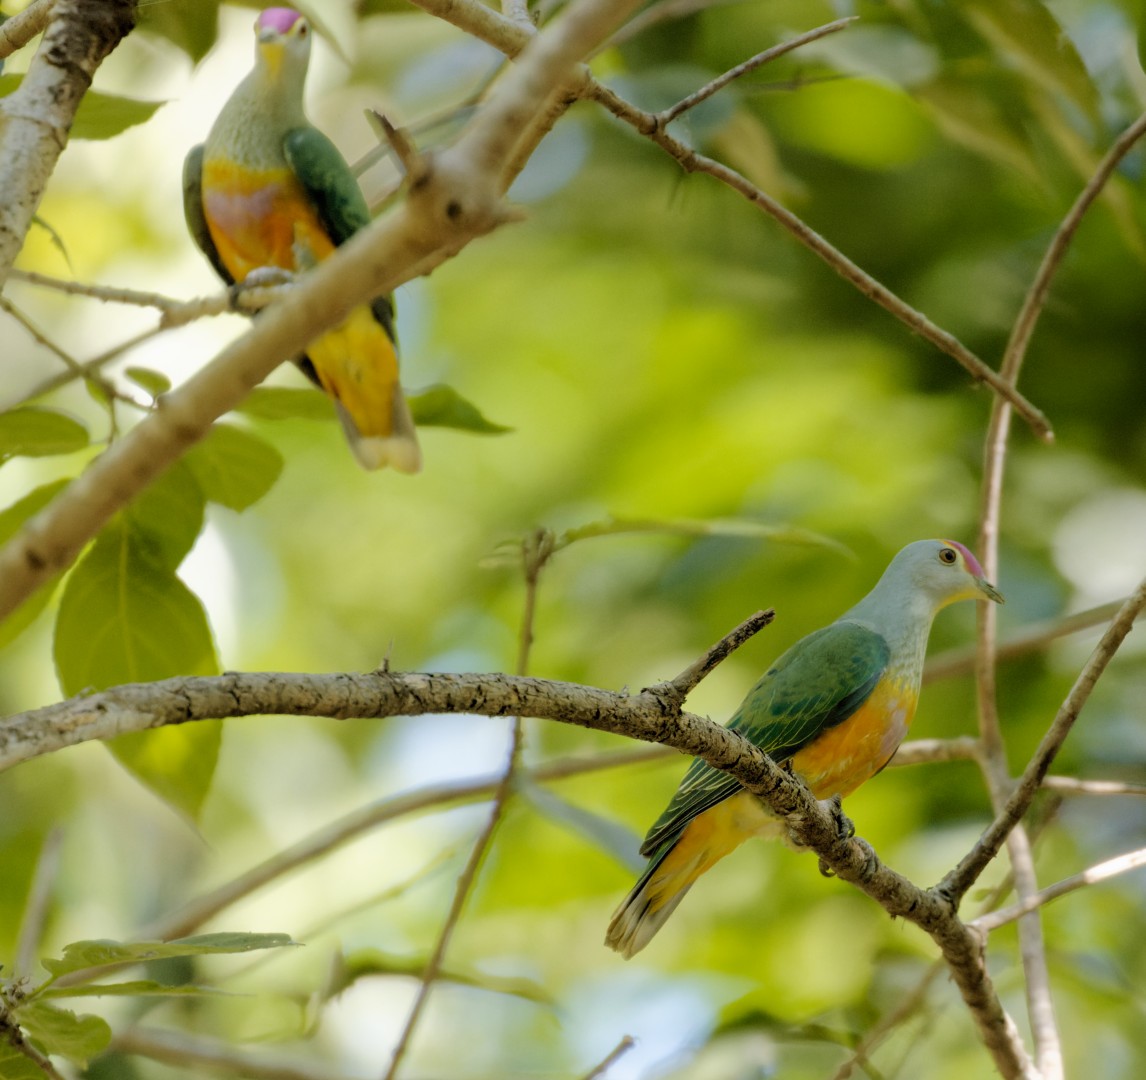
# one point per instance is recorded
(234, 467)
(610, 836)
(443, 406)
(168, 517)
(154, 382)
(17, 1066)
(363, 963)
(135, 988)
(33, 431)
(100, 115)
(11, 520)
(126, 617)
(287, 403)
(60, 1031)
(82, 955)
(192, 27)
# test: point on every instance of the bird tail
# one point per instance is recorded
(399, 449)
(679, 861)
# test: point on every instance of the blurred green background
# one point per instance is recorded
(661, 351)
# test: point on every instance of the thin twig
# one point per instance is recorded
(1028, 639)
(1102, 871)
(667, 116)
(964, 875)
(687, 680)
(536, 550)
(18, 30)
(623, 1047)
(1070, 785)
(927, 751)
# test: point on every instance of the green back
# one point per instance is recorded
(335, 194)
(818, 683)
(328, 181)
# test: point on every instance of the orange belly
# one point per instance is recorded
(851, 753)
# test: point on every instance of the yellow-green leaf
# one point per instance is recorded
(234, 467)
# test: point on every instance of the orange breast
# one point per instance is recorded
(261, 218)
(851, 753)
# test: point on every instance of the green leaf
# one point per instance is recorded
(17, 1066)
(126, 617)
(34, 431)
(154, 382)
(443, 406)
(610, 836)
(100, 115)
(134, 988)
(194, 28)
(60, 1031)
(287, 403)
(168, 517)
(234, 467)
(84, 955)
(11, 520)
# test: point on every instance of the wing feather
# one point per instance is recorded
(815, 685)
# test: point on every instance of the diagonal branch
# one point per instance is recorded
(37, 117)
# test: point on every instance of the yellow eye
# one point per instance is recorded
(948, 556)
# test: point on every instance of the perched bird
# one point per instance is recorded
(833, 708)
(268, 191)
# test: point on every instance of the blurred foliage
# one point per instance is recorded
(676, 378)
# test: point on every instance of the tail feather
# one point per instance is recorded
(649, 904)
(399, 449)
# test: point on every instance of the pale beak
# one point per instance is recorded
(988, 591)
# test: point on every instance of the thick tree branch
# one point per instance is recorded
(37, 117)
(646, 716)
(451, 204)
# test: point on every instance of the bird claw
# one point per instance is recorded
(261, 277)
(845, 827)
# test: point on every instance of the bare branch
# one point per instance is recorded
(926, 751)
(643, 716)
(37, 117)
(1102, 871)
(453, 204)
(687, 680)
(477, 19)
(1069, 785)
(667, 116)
(961, 661)
(963, 876)
(17, 31)
(623, 1047)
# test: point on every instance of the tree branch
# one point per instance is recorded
(37, 117)
(646, 716)
(1121, 864)
(963, 876)
(17, 31)
(455, 201)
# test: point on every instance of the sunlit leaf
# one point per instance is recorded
(443, 406)
(287, 403)
(154, 382)
(11, 519)
(234, 467)
(85, 955)
(100, 115)
(192, 27)
(34, 431)
(167, 517)
(60, 1031)
(126, 617)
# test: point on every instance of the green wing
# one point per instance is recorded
(193, 211)
(335, 194)
(818, 683)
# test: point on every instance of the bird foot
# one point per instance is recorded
(845, 827)
(261, 277)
